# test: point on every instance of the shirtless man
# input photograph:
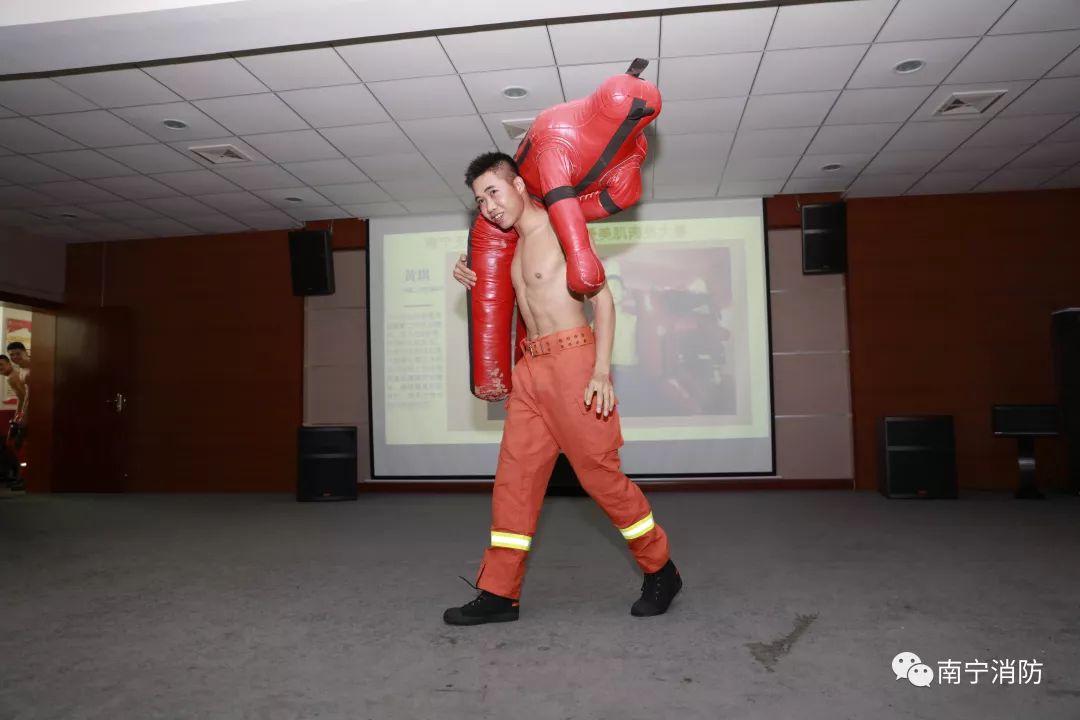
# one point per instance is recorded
(18, 386)
(562, 398)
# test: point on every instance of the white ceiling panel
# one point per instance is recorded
(434, 205)
(939, 182)
(286, 198)
(235, 202)
(928, 19)
(111, 230)
(121, 210)
(579, 81)
(684, 191)
(397, 59)
(372, 210)
(679, 117)
(75, 191)
(215, 223)
(1068, 179)
(879, 105)
(268, 220)
(941, 94)
(119, 88)
(326, 212)
(1067, 133)
(417, 188)
(16, 196)
(502, 138)
(786, 110)
(180, 208)
(1068, 67)
(1055, 95)
(771, 143)
(149, 119)
(933, 136)
(1049, 155)
(434, 136)
(62, 231)
(1015, 57)
(1038, 15)
(811, 166)
(4, 112)
(252, 114)
(196, 182)
(353, 193)
(820, 68)
(41, 96)
(833, 23)
(162, 227)
(691, 78)
(23, 135)
(525, 47)
(207, 79)
(1023, 130)
(258, 177)
(151, 158)
(750, 188)
(909, 161)
(604, 41)
(135, 187)
(852, 138)
(543, 84)
(395, 166)
(877, 69)
(669, 172)
(95, 128)
(710, 33)
(424, 97)
(84, 164)
(816, 185)
(326, 172)
(66, 213)
(336, 106)
(295, 146)
(299, 69)
(363, 140)
(759, 168)
(980, 158)
(1016, 179)
(881, 185)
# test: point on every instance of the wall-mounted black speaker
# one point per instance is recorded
(1024, 420)
(1066, 330)
(312, 262)
(917, 457)
(326, 467)
(824, 238)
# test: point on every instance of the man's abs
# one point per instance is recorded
(539, 274)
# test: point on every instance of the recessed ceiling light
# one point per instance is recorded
(905, 67)
(294, 199)
(831, 167)
(174, 124)
(515, 92)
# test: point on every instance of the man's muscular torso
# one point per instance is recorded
(538, 273)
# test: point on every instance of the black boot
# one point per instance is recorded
(657, 591)
(485, 608)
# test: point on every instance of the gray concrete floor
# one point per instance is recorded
(185, 607)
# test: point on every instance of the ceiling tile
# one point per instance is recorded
(759, 168)
(252, 114)
(11, 217)
(499, 49)
(771, 143)
(336, 106)
(433, 136)
(451, 164)
(1067, 133)
(40, 97)
(1023, 130)
(215, 223)
(602, 41)
(299, 69)
(149, 119)
(881, 185)
(507, 144)
(941, 56)
(709, 33)
(1038, 15)
(258, 177)
(327, 212)
(84, 164)
(180, 208)
(235, 202)
(75, 191)
(111, 230)
(4, 112)
(95, 128)
(1015, 57)
(786, 110)
(700, 116)
(151, 158)
(908, 161)
(684, 191)
(394, 166)
(819, 24)
(119, 88)
(942, 93)
(268, 220)
(61, 231)
(1054, 95)
(1069, 178)
(23, 135)
(980, 158)
(397, 59)
(162, 227)
(928, 19)
(852, 164)
(424, 97)
(16, 196)
(695, 78)
(21, 169)
(185, 148)
(372, 210)
(434, 205)
(362, 140)
(294, 146)
(196, 182)
(1016, 179)
(207, 79)
(135, 187)
(543, 84)
(279, 197)
(65, 213)
(1049, 155)
(816, 185)
(750, 188)
(353, 193)
(1067, 67)
(941, 182)
(933, 135)
(417, 188)
(819, 68)
(852, 138)
(121, 210)
(581, 80)
(326, 172)
(879, 105)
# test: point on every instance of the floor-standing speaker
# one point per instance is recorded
(917, 457)
(311, 259)
(1066, 329)
(824, 238)
(326, 467)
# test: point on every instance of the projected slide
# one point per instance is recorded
(690, 361)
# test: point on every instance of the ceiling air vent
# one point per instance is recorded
(220, 154)
(516, 129)
(973, 102)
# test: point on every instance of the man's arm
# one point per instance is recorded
(19, 388)
(603, 307)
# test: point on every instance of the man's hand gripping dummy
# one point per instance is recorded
(583, 159)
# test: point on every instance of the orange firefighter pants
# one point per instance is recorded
(546, 412)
